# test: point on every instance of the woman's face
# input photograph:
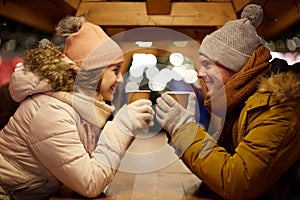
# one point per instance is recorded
(214, 75)
(111, 77)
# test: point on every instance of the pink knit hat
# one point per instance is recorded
(87, 44)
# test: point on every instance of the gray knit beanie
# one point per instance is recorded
(233, 44)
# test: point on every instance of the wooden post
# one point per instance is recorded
(158, 7)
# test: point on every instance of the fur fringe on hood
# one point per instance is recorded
(283, 86)
(48, 62)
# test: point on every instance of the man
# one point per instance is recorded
(257, 153)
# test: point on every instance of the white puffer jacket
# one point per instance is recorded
(40, 147)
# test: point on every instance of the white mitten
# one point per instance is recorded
(171, 115)
(134, 116)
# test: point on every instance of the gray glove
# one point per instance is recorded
(135, 116)
(171, 115)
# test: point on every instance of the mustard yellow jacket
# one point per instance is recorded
(266, 138)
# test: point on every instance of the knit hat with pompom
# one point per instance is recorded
(233, 44)
(87, 44)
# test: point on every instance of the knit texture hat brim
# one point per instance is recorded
(105, 54)
(219, 52)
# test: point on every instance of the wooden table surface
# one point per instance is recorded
(149, 171)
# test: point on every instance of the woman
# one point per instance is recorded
(54, 136)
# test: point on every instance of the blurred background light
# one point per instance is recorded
(190, 76)
(297, 41)
(180, 43)
(176, 59)
(136, 70)
(291, 44)
(143, 43)
(130, 86)
(178, 73)
(151, 72)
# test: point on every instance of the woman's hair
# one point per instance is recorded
(46, 61)
(88, 81)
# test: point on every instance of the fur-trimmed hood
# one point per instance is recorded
(45, 69)
(283, 86)
(48, 62)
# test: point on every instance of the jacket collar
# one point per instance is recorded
(282, 86)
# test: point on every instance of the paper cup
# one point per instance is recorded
(137, 94)
(182, 97)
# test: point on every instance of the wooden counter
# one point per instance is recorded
(170, 179)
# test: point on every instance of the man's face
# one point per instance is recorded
(213, 74)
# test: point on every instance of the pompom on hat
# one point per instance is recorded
(87, 44)
(232, 45)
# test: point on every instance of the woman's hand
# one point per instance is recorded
(133, 116)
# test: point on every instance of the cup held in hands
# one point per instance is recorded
(137, 94)
(182, 97)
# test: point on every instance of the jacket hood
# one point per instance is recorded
(24, 84)
(45, 69)
(283, 86)
(48, 62)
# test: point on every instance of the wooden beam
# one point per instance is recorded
(196, 33)
(135, 14)
(278, 15)
(158, 7)
(111, 31)
(276, 22)
(42, 17)
(26, 15)
(73, 3)
(240, 4)
(69, 6)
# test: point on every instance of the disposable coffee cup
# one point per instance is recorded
(137, 94)
(182, 97)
